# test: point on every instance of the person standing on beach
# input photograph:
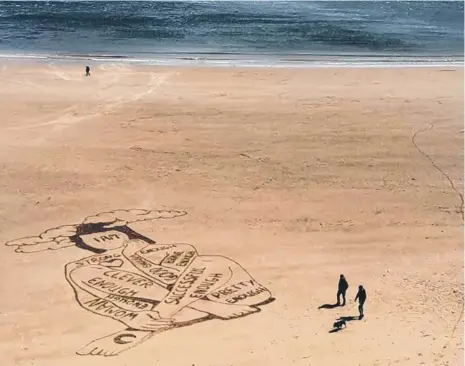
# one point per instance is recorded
(87, 71)
(361, 296)
(341, 290)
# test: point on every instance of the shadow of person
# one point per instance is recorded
(328, 306)
(348, 318)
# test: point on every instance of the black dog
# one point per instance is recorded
(339, 324)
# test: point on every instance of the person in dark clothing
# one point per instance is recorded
(87, 71)
(361, 296)
(341, 290)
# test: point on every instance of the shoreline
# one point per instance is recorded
(195, 61)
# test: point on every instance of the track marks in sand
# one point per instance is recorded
(433, 163)
(61, 75)
(25, 82)
(454, 329)
(74, 114)
(156, 80)
(21, 82)
(460, 210)
(64, 112)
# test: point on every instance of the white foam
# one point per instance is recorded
(22, 56)
(255, 61)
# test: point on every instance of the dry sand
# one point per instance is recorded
(298, 175)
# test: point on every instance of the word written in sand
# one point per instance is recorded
(179, 291)
(181, 259)
(157, 248)
(131, 278)
(110, 237)
(110, 286)
(164, 275)
(108, 308)
(97, 259)
(146, 287)
(239, 291)
(128, 301)
(203, 288)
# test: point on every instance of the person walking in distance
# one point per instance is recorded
(361, 296)
(341, 290)
(87, 71)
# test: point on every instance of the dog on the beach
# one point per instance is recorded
(338, 325)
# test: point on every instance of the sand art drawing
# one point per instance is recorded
(146, 286)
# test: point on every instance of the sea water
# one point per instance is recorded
(225, 33)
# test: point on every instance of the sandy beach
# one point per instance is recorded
(297, 175)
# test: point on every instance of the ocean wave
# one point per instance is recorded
(126, 27)
(240, 60)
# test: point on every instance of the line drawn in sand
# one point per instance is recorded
(460, 208)
(146, 286)
(70, 116)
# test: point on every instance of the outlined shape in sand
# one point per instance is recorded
(148, 287)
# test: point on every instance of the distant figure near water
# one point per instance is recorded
(87, 71)
(341, 290)
(361, 296)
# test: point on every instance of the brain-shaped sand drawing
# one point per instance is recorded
(146, 286)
